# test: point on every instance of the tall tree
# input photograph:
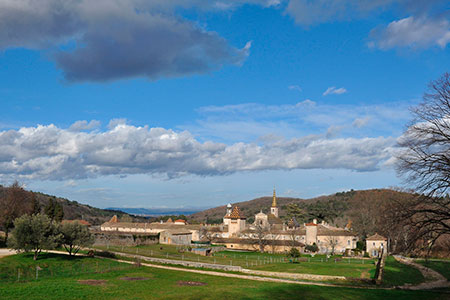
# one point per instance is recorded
(13, 204)
(424, 161)
(50, 209)
(58, 212)
(35, 206)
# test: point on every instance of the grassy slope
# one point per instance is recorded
(439, 266)
(261, 261)
(162, 284)
(396, 273)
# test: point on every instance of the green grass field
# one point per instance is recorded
(319, 265)
(441, 266)
(396, 274)
(122, 281)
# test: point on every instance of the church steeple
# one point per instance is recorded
(274, 200)
(274, 208)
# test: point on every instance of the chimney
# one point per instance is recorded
(315, 221)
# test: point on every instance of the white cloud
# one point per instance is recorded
(49, 152)
(412, 32)
(252, 121)
(84, 125)
(333, 90)
(295, 88)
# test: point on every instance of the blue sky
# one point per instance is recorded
(199, 103)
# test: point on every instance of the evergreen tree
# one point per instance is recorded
(58, 212)
(35, 206)
(50, 209)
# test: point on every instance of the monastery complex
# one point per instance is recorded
(267, 233)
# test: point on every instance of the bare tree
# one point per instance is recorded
(424, 162)
(332, 242)
(261, 233)
(13, 204)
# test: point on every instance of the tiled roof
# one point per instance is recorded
(376, 237)
(333, 231)
(256, 242)
(150, 225)
(272, 219)
(236, 213)
(311, 224)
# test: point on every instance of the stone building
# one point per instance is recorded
(375, 244)
(268, 232)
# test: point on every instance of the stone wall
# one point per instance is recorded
(124, 239)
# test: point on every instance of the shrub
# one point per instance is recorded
(294, 253)
(106, 254)
(312, 248)
(34, 233)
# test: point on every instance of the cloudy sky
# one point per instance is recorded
(195, 103)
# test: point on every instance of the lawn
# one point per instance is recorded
(319, 265)
(396, 274)
(129, 282)
(440, 266)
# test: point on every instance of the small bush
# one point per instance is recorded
(312, 248)
(106, 254)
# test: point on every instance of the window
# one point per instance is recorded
(374, 244)
(348, 242)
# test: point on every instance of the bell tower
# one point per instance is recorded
(274, 208)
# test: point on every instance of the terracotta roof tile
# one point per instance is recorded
(376, 237)
(236, 213)
(311, 224)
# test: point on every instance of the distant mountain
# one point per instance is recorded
(155, 212)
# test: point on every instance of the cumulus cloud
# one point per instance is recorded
(108, 40)
(50, 152)
(84, 125)
(333, 90)
(412, 32)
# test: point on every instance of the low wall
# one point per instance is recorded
(102, 238)
(182, 262)
(380, 269)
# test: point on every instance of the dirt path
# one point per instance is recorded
(433, 279)
(6, 252)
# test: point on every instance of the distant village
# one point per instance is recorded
(268, 233)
